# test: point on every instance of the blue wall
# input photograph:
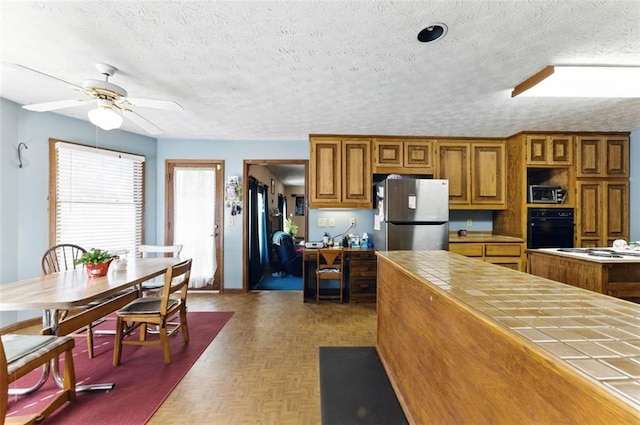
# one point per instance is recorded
(24, 215)
(23, 191)
(233, 152)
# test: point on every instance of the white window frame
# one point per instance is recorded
(96, 197)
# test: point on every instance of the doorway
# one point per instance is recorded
(194, 218)
(275, 191)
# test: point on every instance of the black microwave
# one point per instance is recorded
(545, 194)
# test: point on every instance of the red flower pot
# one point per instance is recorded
(98, 270)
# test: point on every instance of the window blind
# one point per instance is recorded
(98, 198)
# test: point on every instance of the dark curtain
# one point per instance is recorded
(255, 270)
(258, 230)
(281, 203)
(265, 246)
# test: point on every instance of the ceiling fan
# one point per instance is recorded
(111, 100)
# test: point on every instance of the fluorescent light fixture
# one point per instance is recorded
(105, 117)
(582, 81)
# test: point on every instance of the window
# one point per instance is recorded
(97, 197)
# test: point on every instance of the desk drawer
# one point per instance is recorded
(360, 286)
(361, 256)
(466, 249)
(367, 269)
(503, 250)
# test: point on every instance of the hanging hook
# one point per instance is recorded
(20, 145)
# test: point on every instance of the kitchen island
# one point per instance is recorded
(603, 270)
(469, 342)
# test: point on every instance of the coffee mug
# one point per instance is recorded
(462, 232)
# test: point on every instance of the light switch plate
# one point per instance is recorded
(322, 222)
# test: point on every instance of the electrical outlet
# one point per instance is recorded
(352, 221)
(230, 221)
(469, 222)
(322, 222)
(332, 222)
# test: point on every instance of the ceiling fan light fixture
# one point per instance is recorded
(105, 117)
(581, 81)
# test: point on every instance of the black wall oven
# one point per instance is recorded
(550, 228)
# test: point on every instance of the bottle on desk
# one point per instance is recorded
(364, 242)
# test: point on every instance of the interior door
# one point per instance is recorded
(194, 218)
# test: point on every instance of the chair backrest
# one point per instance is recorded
(61, 257)
(176, 279)
(330, 259)
(160, 250)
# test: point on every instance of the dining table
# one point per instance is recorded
(92, 298)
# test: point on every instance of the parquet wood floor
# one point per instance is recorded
(263, 366)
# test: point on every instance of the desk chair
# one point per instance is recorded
(157, 251)
(21, 354)
(329, 266)
(156, 311)
(62, 257)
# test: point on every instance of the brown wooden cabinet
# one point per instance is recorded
(602, 213)
(602, 156)
(554, 149)
(362, 276)
(476, 173)
(602, 189)
(402, 156)
(340, 172)
(506, 254)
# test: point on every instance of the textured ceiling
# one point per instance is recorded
(283, 70)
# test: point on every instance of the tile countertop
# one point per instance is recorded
(480, 237)
(597, 335)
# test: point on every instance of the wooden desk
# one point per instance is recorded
(360, 269)
(74, 288)
(468, 342)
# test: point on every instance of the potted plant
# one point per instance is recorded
(290, 227)
(97, 261)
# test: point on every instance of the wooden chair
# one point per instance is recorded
(156, 311)
(59, 258)
(149, 251)
(329, 266)
(21, 354)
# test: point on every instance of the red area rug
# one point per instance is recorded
(143, 381)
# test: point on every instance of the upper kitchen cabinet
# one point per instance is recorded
(476, 173)
(549, 149)
(602, 156)
(403, 156)
(340, 172)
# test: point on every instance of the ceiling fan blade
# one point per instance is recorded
(167, 105)
(22, 67)
(59, 104)
(142, 122)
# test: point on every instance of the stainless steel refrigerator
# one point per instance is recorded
(411, 214)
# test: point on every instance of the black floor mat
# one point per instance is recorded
(355, 390)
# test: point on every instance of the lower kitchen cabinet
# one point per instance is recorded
(508, 254)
